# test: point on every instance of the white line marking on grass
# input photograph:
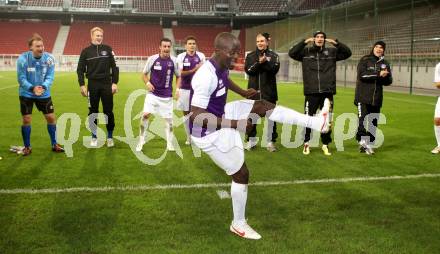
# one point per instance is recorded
(6, 87)
(211, 185)
(409, 101)
(222, 194)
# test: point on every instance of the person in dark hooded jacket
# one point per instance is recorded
(319, 76)
(373, 72)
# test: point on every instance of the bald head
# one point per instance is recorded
(226, 41)
(227, 49)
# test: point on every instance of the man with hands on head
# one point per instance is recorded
(319, 76)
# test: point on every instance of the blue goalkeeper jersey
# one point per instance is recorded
(32, 72)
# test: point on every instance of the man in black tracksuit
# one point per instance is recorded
(262, 65)
(319, 76)
(373, 72)
(98, 63)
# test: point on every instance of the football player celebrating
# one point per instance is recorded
(215, 125)
(35, 74)
(158, 77)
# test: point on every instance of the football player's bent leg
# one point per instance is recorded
(285, 115)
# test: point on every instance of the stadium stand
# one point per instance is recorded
(15, 35)
(205, 35)
(95, 4)
(42, 3)
(312, 4)
(143, 40)
(154, 6)
(198, 5)
(261, 6)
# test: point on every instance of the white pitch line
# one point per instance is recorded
(6, 87)
(210, 185)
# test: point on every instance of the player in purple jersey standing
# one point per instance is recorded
(158, 77)
(215, 124)
(188, 62)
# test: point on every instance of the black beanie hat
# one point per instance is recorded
(381, 43)
(319, 32)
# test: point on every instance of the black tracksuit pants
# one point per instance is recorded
(312, 103)
(101, 90)
(363, 131)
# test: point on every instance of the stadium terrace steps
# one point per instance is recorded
(61, 39)
(168, 33)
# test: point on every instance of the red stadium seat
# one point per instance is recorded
(125, 39)
(205, 35)
(16, 34)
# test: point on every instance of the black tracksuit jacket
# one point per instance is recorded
(98, 63)
(319, 65)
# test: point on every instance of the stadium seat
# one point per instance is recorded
(15, 35)
(96, 4)
(42, 3)
(144, 39)
(155, 6)
(205, 35)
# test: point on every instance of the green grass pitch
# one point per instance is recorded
(387, 216)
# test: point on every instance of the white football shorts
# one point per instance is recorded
(183, 101)
(158, 106)
(225, 146)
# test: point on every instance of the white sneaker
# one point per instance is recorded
(306, 149)
(188, 142)
(170, 147)
(140, 144)
(94, 142)
(110, 142)
(251, 144)
(325, 113)
(325, 150)
(365, 148)
(271, 147)
(436, 150)
(244, 231)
